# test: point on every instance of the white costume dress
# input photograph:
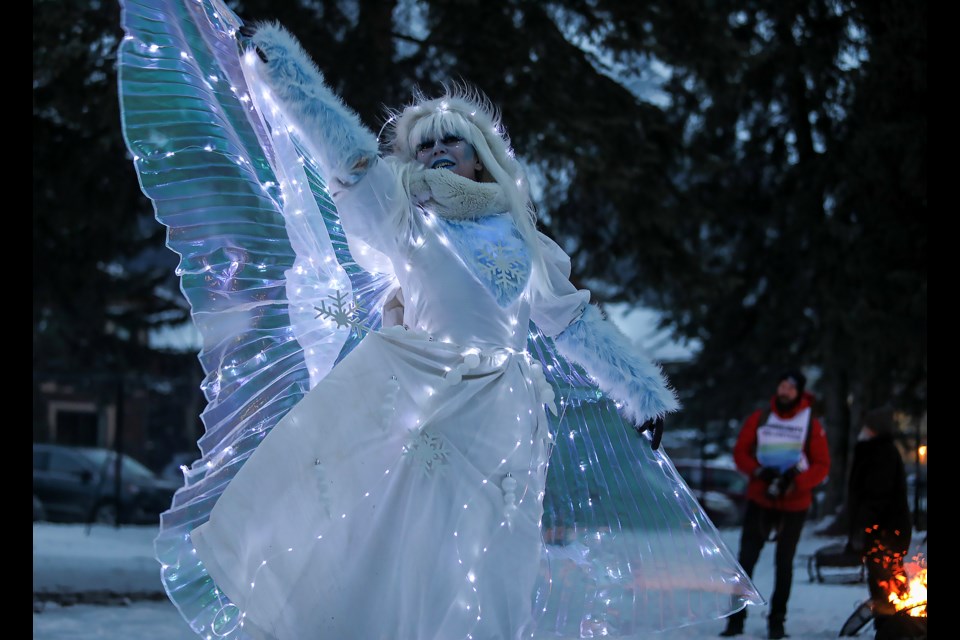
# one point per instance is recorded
(401, 498)
(454, 476)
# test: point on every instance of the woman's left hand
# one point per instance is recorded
(656, 424)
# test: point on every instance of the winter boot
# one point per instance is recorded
(734, 624)
(775, 627)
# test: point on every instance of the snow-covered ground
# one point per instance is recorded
(106, 560)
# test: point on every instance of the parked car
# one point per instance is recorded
(719, 487)
(39, 513)
(77, 484)
(172, 471)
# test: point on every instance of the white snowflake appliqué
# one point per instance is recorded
(503, 265)
(428, 449)
(341, 312)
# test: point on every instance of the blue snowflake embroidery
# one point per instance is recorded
(494, 252)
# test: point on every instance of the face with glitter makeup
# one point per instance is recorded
(450, 152)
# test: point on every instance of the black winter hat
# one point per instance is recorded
(880, 421)
(796, 377)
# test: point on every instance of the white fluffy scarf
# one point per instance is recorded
(452, 196)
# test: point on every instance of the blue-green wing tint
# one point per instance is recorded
(628, 547)
(260, 249)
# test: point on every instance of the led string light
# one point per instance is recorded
(578, 435)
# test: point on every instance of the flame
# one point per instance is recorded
(911, 592)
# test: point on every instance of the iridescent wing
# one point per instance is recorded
(279, 300)
(628, 547)
(273, 289)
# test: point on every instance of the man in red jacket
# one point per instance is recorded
(784, 452)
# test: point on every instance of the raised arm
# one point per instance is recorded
(370, 192)
(343, 146)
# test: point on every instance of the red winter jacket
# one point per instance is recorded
(800, 496)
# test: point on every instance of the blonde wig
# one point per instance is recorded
(466, 112)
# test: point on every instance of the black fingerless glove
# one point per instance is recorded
(656, 425)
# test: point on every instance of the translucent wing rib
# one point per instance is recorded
(628, 547)
(261, 251)
(328, 289)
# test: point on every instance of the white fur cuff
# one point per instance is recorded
(338, 140)
(608, 356)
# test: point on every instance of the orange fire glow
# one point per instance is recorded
(912, 593)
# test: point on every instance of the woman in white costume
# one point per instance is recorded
(428, 505)
(402, 497)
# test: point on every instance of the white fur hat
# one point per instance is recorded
(463, 111)
(467, 112)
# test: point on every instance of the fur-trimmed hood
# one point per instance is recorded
(460, 110)
(469, 114)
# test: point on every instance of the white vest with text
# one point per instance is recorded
(780, 442)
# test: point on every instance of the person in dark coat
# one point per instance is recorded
(879, 512)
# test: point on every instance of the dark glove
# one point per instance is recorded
(248, 30)
(657, 425)
(782, 484)
(786, 480)
(767, 474)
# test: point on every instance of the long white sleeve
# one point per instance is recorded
(582, 335)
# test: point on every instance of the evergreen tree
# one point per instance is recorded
(753, 169)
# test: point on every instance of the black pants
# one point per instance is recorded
(759, 525)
